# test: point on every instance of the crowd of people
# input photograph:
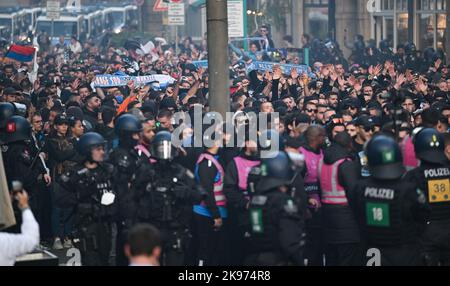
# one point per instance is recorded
(362, 163)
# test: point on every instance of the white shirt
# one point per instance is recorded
(14, 245)
(76, 48)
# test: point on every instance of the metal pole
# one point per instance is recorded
(411, 21)
(52, 31)
(140, 18)
(447, 34)
(217, 20)
(176, 40)
(245, 25)
(332, 19)
(395, 26)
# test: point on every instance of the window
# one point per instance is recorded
(441, 26)
(432, 5)
(426, 31)
(316, 18)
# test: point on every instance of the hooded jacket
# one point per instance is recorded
(339, 221)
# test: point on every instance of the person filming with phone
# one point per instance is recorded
(14, 245)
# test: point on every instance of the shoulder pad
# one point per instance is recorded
(83, 171)
(108, 167)
(259, 200)
(124, 161)
(255, 171)
(65, 177)
(189, 174)
(290, 207)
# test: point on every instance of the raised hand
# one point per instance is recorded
(341, 81)
(437, 64)
(401, 79)
(277, 72)
(294, 73)
(75, 84)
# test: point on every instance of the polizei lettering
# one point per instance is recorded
(437, 173)
(386, 194)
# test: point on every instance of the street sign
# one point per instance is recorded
(53, 10)
(236, 16)
(176, 14)
(161, 6)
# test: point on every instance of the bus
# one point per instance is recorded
(116, 18)
(31, 16)
(4, 34)
(13, 18)
(93, 22)
(68, 25)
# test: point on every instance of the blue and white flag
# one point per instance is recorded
(108, 80)
(263, 66)
(198, 64)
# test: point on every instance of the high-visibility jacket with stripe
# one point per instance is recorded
(333, 193)
(219, 195)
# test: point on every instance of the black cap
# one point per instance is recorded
(76, 112)
(351, 102)
(364, 121)
(10, 90)
(376, 120)
(61, 119)
(302, 118)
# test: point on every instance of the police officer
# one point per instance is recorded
(165, 196)
(125, 159)
(391, 210)
(87, 190)
(7, 110)
(22, 168)
(386, 51)
(276, 229)
(238, 198)
(432, 176)
(20, 165)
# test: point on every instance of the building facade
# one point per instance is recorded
(424, 22)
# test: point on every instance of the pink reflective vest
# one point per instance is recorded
(409, 155)
(143, 149)
(312, 164)
(219, 196)
(244, 167)
(332, 192)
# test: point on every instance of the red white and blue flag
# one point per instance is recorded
(21, 53)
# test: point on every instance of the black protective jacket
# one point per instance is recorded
(339, 221)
